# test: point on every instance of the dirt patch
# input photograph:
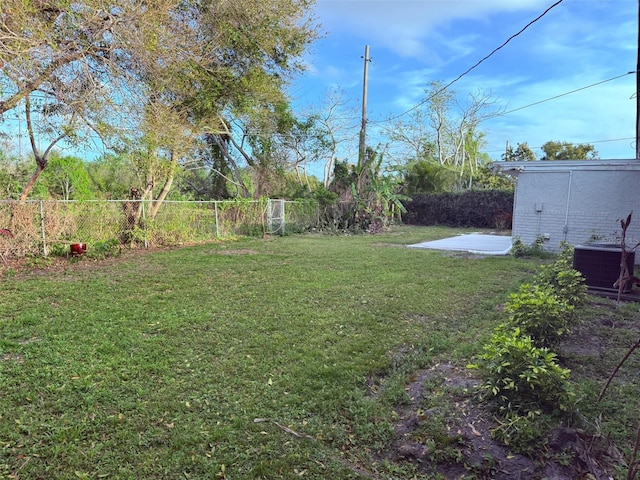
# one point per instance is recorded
(29, 267)
(240, 251)
(451, 436)
(12, 357)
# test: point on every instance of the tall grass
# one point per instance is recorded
(37, 226)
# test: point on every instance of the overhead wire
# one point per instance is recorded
(574, 143)
(486, 57)
(566, 93)
(19, 120)
(257, 133)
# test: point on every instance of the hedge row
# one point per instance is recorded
(477, 209)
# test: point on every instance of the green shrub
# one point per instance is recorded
(59, 250)
(104, 248)
(520, 377)
(522, 433)
(540, 314)
(567, 283)
(536, 249)
(471, 208)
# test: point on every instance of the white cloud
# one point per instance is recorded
(405, 26)
(577, 43)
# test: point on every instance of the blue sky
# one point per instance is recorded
(414, 42)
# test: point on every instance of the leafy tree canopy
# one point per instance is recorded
(427, 176)
(87, 63)
(522, 153)
(568, 151)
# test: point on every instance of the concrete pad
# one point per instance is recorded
(477, 243)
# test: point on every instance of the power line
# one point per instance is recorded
(566, 93)
(353, 127)
(574, 143)
(474, 66)
(558, 2)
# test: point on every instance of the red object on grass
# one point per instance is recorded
(4, 231)
(78, 248)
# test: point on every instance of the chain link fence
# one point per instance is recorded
(43, 227)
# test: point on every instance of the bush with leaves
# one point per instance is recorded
(472, 208)
(540, 314)
(520, 377)
(567, 283)
(520, 250)
(522, 433)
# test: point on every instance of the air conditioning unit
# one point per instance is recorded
(600, 264)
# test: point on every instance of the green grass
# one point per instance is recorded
(158, 366)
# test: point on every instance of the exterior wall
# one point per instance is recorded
(575, 206)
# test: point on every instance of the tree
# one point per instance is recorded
(271, 141)
(412, 138)
(302, 145)
(67, 178)
(41, 156)
(208, 176)
(275, 141)
(99, 65)
(335, 122)
(485, 178)
(67, 61)
(444, 130)
(522, 153)
(247, 109)
(167, 138)
(568, 151)
(232, 152)
(111, 176)
(454, 123)
(428, 177)
(14, 172)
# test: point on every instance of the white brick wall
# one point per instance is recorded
(576, 206)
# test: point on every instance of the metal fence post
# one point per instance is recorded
(144, 226)
(215, 208)
(44, 234)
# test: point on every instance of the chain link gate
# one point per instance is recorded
(275, 217)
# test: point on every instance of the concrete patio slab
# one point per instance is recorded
(477, 243)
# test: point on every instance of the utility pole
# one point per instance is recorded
(363, 130)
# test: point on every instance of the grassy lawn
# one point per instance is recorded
(240, 360)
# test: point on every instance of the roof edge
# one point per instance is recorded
(515, 168)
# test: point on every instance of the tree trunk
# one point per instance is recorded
(157, 203)
(237, 175)
(40, 166)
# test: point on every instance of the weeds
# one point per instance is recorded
(535, 250)
(104, 249)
